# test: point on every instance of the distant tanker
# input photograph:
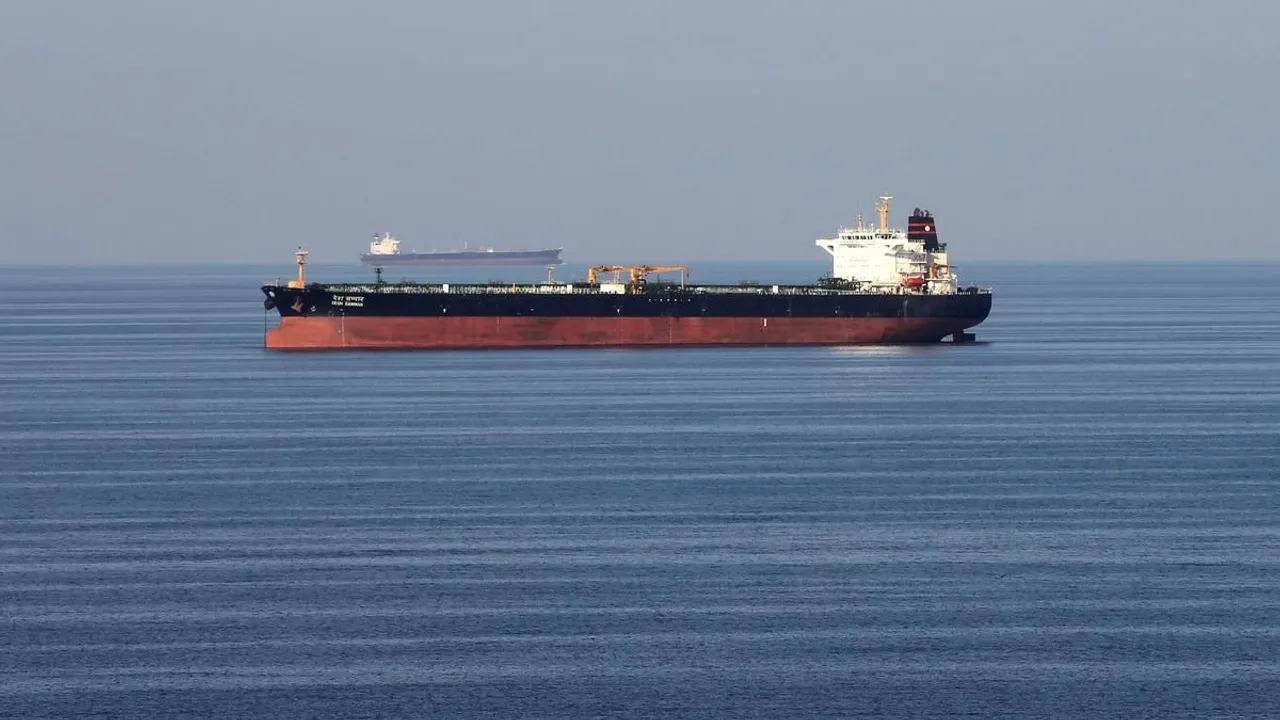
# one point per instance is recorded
(385, 250)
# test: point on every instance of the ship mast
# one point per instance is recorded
(883, 207)
(301, 258)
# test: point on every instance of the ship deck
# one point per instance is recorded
(607, 289)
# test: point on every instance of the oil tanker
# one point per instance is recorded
(385, 250)
(887, 286)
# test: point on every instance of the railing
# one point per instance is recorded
(582, 289)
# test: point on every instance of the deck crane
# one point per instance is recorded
(638, 272)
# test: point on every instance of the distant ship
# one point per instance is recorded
(385, 250)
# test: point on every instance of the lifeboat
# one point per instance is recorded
(916, 281)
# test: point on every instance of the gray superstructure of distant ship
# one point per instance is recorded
(384, 250)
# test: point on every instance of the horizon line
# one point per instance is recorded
(354, 263)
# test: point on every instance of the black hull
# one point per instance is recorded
(392, 301)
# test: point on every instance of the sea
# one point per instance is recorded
(1076, 516)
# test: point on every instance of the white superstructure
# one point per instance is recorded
(384, 244)
(884, 259)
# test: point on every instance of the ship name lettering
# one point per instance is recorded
(348, 301)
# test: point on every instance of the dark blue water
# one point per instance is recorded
(1079, 516)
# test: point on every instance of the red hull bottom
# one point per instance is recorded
(332, 333)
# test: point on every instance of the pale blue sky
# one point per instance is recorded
(635, 131)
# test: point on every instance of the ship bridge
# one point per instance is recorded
(384, 244)
(888, 259)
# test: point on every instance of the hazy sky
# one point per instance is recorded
(635, 130)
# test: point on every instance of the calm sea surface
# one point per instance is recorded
(1078, 516)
